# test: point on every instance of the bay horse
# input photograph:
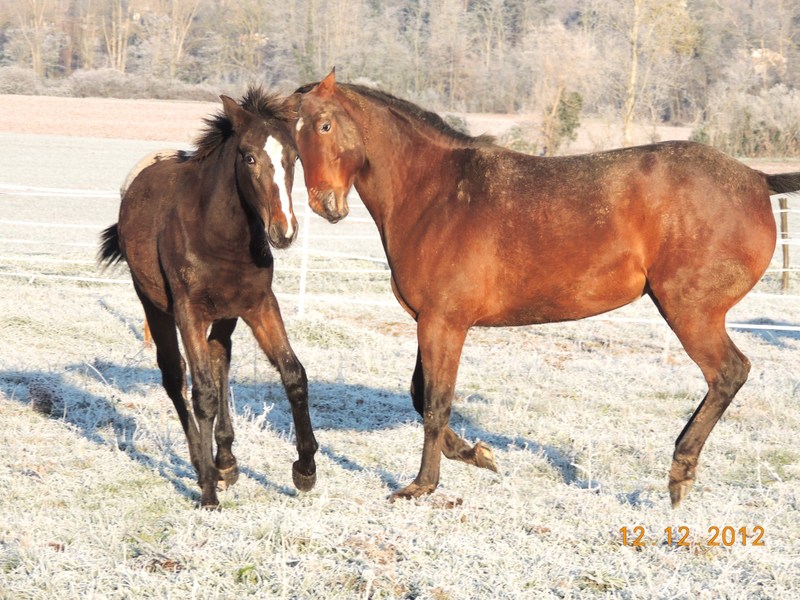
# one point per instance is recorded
(479, 235)
(195, 229)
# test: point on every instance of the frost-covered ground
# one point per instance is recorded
(98, 499)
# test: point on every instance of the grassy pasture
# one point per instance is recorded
(97, 495)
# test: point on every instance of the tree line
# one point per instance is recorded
(730, 69)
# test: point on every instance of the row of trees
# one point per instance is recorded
(660, 60)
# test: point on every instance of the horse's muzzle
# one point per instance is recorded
(331, 205)
(278, 237)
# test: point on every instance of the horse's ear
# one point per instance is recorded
(325, 87)
(233, 111)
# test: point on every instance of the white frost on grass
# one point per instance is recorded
(98, 497)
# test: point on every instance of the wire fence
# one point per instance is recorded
(342, 263)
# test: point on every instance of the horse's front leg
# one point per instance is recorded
(205, 399)
(440, 345)
(454, 447)
(219, 342)
(269, 331)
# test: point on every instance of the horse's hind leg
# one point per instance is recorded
(219, 342)
(205, 398)
(454, 447)
(725, 368)
(269, 331)
(728, 375)
(173, 370)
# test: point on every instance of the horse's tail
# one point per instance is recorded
(783, 183)
(110, 252)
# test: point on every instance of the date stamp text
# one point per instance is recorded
(723, 536)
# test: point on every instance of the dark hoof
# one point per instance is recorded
(227, 477)
(208, 500)
(301, 481)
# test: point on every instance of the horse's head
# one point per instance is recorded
(265, 157)
(331, 148)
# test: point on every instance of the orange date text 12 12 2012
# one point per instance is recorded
(682, 536)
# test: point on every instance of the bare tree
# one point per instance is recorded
(447, 58)
(548, 48)
(415, 29)
(650, 31)
(84, 31)
(653, 59)
(166, 28)
(35, 25)
(117, 24)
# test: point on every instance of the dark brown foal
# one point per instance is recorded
(195, 230)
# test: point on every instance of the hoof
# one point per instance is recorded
(208, 500)
(484, 457)
(678, 490)
(301, 481)
(227, 477)
(411, 491)
(681, 477)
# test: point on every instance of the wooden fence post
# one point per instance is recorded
(783, 204)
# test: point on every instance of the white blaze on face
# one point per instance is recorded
(274, 150)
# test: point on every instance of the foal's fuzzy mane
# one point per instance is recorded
(218, 128)
(412, 110)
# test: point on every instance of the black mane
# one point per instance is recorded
(412, 110)
(269, 106)
(218, 127)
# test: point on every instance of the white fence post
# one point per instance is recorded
(306, 232)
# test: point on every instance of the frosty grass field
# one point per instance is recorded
(98, 498)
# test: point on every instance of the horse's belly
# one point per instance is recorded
(563, 298)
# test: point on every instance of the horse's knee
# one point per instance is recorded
(437, 413)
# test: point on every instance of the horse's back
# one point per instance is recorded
(147, 160)
(671, 194)
(590, 233)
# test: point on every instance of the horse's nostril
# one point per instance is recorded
(330, 202)
(280, 238)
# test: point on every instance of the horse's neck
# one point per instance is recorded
(405, 180)
(223, 214)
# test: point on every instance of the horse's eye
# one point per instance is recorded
(325, 127)
(250, 159)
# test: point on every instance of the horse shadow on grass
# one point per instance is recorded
(784, 338)
(334, 406)
(51, 394)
